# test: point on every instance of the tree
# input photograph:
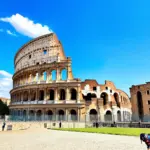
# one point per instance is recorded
(4, 109)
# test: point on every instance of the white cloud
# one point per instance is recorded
(26, 26)
(9, 32)
(5, 83)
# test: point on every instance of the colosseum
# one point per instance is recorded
(44, 88)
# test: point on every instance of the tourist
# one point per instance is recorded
(3, 126)
(145, 138)
(60, 124)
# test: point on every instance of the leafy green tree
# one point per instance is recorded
(4, 109)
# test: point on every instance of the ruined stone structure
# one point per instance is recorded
(44, 87)
(140, 100)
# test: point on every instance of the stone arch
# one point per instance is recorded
(53, 73)
(73, 115)
(32, 114)
(51, 94)
(93, 95)
(108, 116)
(140, 105)
(104, 95)
(64, 74)
(25, 96)
(62, 94)
(33, 95)
(88, 97)
(50, 114)
(39, 115)
(118, 116)
(41, 95)
(24, 114)
(116, 97)
(44, 75)
(93, 115)
(61, 115)
(36, 76)
(73, 93)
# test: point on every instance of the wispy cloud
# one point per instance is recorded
(10, 33)
(1, 30)
(5, 83)
(26, 26)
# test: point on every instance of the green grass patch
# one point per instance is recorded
(114, 131)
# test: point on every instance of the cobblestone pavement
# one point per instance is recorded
(43, 139)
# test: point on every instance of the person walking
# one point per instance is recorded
(60, 124)
(3, 126)
(145, 138)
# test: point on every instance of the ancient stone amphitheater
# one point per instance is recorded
(44, 88)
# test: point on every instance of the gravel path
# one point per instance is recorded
(43, 139)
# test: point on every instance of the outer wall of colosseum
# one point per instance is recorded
(44, 88)
(140, 100)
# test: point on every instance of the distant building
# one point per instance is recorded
(44, 87)
(140, 100)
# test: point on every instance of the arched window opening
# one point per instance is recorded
(39, 115)
(24, 114)
(108, 116)
(93, 115)
(119, 116)
(64, 74)
(52, 94)
(25, 97)
(93, 95)
(37, 77)
(88, 97)
(61, 115)
(41, 95)
(140, 105)
(53, 75)
(105, 98)
(31, 114)
(50, 114)
(62, 94)
(33, 96)
(73, 94)
(73, 114)
(45, 75)
(116, 97)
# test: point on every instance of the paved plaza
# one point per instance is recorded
(43, 139)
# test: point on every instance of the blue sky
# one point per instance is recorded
(107, 40)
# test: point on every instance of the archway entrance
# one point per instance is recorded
(93, 115)
(61, 115)
(50, 115)
(105, 98)
(39, 115)
(118, 116)
(108, 116)
(140, 105)
(73, 115)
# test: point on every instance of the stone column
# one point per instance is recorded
(78, 93)
(39, 77)
(49, 76)
(66, 114)
(29, 97)
(69, 73)
(45, 95)
(56, 95)
(78, 114)
(37, 94)
(58, 74)
(67, 94)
